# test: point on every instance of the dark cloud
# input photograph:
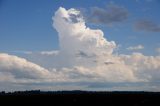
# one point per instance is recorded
(147, 25)
(73, 18)
(111, 85)
(84, 54)
(111, 14)
(108, 62)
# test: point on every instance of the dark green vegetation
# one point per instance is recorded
(82, 98)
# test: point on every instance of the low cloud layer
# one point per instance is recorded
(13, 67)
(85, 59)
(19, 74)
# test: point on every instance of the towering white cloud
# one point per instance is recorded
(75, 36)
(78, 40)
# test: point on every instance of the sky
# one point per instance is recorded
(80, 44)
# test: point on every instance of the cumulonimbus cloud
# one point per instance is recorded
(85, 57)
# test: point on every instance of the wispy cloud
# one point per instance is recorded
(138, 47)
(23, 52)
(54, 52)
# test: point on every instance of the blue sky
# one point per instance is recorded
(27, 25)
